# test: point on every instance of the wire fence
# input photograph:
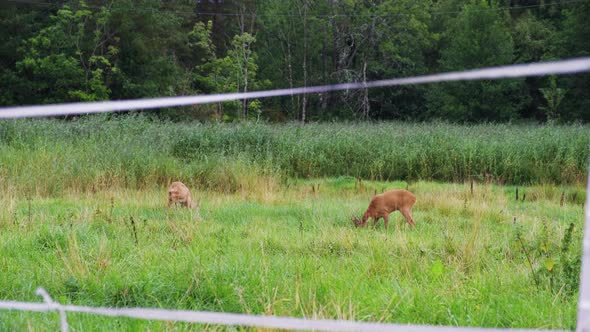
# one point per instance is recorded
(228, 319)
(570, 66)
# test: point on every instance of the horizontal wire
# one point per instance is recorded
(233, 319)
(569, 66)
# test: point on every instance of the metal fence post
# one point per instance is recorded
(583, 322)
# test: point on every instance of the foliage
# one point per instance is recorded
(77, 50)
(576, 44)
(553, 266)
(66, 61)
(534, 39)
(478, 38)
(553, 95)
(234, 72)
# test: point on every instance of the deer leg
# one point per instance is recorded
(411, 218)
(375, 220)
(406, 213)
(386, 221)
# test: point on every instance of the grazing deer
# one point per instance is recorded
(382, 205)
(179, 193)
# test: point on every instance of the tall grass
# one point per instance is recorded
(271, 244)
(48, 156)
(294, 252)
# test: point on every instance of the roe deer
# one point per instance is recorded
(382, 205)
(179, 193)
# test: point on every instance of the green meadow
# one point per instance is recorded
(84, 217)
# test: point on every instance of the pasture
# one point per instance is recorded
(294, 252)
(84, 215)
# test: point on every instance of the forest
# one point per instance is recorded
(70, 51)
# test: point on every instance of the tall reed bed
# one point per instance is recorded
(48, 156)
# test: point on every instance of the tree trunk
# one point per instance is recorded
(246, 60)
(366, 106)
(304, 104)
(288, 62)
(324, 96)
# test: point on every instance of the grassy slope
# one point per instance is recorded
(287, 250)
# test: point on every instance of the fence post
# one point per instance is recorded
(62, 313)
(583, 322)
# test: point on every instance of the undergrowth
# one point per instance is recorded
(94, 153)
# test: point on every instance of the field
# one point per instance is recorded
(272, 239)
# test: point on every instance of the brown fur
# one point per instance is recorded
(384, 204)
(179, 193)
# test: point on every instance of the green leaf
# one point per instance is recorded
(437, 269)
(549, 264)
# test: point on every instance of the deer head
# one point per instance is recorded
(357, 222)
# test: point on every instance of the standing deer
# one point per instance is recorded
(382, 205)
(179, 193)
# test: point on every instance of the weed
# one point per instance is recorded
(552, 264)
